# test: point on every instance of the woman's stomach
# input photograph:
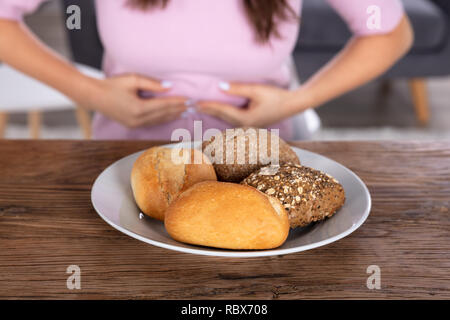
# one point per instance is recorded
(194, 87)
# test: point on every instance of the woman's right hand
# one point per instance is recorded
(118, 98)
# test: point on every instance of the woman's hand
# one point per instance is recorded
(267, 105)
(362, 60)
(118, 98)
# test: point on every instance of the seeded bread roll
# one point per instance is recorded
(253, 155)
(227, 215)
(158, 177)
(308, 195)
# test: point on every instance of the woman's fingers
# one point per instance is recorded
(160, 104)
(241, 89)
(158, 110)
(223, 111)
(162, 116)
(121, 102)
(139, 82)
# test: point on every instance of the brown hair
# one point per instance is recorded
(264, 15)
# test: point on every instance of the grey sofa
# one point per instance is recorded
(322, 35)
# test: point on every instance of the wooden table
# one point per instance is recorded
(47, 223)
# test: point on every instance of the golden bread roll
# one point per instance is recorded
(249, 150)
(158, 177)
(229, 216)
(308, 195)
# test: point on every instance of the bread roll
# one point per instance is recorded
(157, 178)
(308, 195)
(252, 152)
(229, 216)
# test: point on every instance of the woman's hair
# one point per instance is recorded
(264, 15)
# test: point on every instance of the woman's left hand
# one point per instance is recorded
(267, 105)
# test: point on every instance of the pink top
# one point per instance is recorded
(196, 45)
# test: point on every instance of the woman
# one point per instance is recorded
(170, 62)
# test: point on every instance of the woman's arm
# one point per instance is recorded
(116, 97)
(363, 59)
(21, 50)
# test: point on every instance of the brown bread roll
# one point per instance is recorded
(236, 169)
(227, 215)
(308, 195)
(156, 180)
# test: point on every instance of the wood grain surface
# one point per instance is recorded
(47, 223)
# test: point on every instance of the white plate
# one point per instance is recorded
(112, 198)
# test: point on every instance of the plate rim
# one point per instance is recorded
(238, 254)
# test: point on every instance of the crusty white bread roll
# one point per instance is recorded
(158, 177)
(227, 215)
